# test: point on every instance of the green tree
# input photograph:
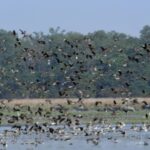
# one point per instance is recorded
(145, 33)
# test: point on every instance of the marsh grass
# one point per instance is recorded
(88, 115)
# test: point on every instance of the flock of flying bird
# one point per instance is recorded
(75, 76)
(74, 64)
(62, 126)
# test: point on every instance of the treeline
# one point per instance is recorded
(70, 64)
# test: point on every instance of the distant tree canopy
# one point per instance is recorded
(145, 33)
(70, 64)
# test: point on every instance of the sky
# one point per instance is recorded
(84, 16)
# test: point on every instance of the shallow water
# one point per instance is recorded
(108, 140)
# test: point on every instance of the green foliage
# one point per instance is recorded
(60, 64)
(145, 33)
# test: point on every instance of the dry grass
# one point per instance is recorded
(87, 101)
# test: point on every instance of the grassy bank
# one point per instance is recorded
(57, 112)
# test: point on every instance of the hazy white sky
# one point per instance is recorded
(128, 16)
